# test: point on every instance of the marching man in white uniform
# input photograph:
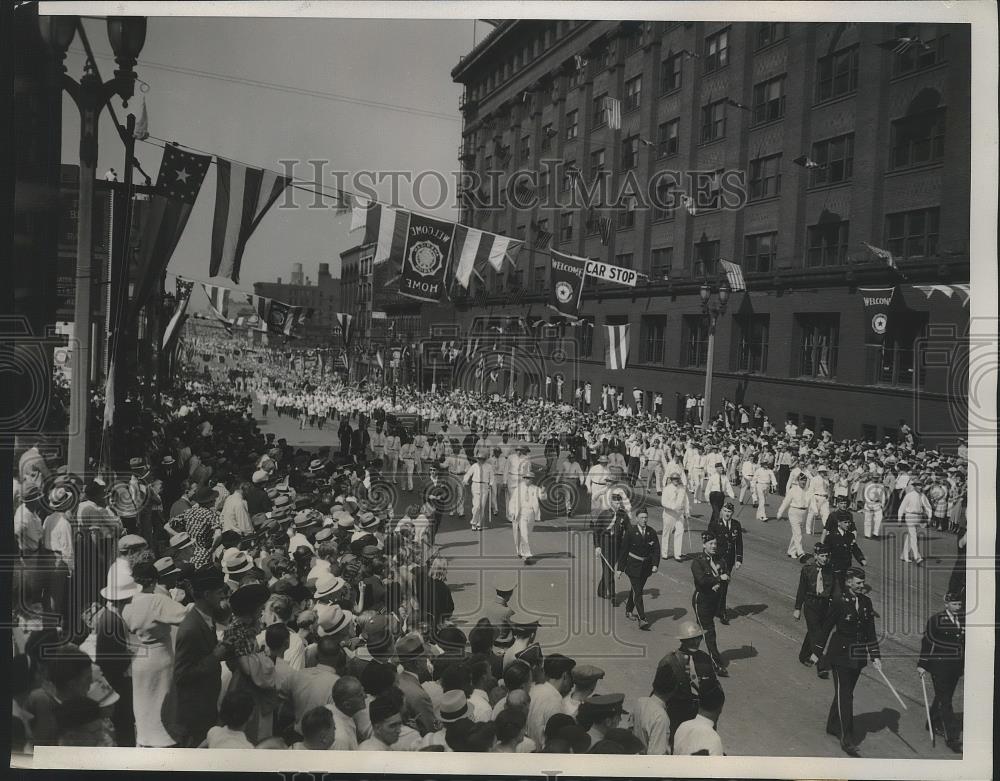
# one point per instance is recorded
(598, 478)
(819, 487)
(481, 476)
(876, 495)
(676, 510)
(764, 481)
(523, 510)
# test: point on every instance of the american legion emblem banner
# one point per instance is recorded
(426, 256)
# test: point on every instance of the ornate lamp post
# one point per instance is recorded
(712, 311)
(127, 35)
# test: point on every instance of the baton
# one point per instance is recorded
(927, 709)
(892, 689)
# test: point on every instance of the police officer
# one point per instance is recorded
(693, 671)
(638, 557)
(840, 536)
(942, 656)
(813, 597)
(851, 642)
(609, 530)
(710, 573)
(499, 611)
(729, 534)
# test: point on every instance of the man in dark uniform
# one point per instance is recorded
(609, 529)
(729, 533)
(813, 596)
(710, 574)
(469, 444)
(439, 496)
(499, 611)
(637, 558)
(840, 536)
(693, 671)
(851, 642)
(942, 655)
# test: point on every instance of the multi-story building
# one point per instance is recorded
(796, 143)
(323, 298)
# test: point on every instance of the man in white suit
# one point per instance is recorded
(523, 510)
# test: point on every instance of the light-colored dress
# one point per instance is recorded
(151, 618)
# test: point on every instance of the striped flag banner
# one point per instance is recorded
(606, 227)
(881, 254)
(613, 111)
(242, 197)
(184, 288)
(218, 300)
(617, 350)
(345, 322)
(734, 275)
(472, 247)
(384, 226)
(262, 308)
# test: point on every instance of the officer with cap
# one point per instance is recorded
(942, 656)
(585, 678)
(729, 533)
(851, 642)
(609, 528)
(599, 714)
(813, 596)
(638, 558)
(499, 611)
(710, 574)
(840, 536)
(693, 671)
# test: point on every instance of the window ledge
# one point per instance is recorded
(910, 74)
(720, 69)
(669, 92)
(718, 140)
(763, 199)
(766, 123)
(770, 45)
(831, 186)
(914, 168)
(836, 99)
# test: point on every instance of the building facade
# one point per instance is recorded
(783, 147)
(323, 298)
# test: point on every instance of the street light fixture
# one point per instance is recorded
(713, 313)
(127, 35)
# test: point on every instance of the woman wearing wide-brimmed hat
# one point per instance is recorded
(151, 616)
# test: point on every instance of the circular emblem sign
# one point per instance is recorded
(278, 318)
(879, 323)
(564, 292)
(425, 257)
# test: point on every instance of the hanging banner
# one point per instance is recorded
(609, 273)
(877, 301)
(568, 273)
(425, 258)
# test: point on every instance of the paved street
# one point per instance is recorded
(774, 705)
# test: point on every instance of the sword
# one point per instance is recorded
(892, 689)
(927, 710)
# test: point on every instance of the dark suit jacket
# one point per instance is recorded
(640, 542)
(942, 650)
(197, 680)
(850, 633)
(730, 540)
(807, 583)
(705, 580)
(113, 655)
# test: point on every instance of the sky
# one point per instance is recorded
(405, 63)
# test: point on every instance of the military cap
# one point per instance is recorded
(729, 506)
(521, 623)
(821, 547)
(505, 584)
(532, 655)
(855, 572)
(707, 536)
(586, 674)
(602, 705)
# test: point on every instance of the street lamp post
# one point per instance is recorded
(712, 311)
(127, 35)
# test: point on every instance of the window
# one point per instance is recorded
(569, 176)
(525, 152)
(827, 244)
(542, 229)
(630, 152)
(667, 139)
(596, 161)
(663, 204)
(760, 251)
(670, 74)
(769, 100)
(624, 260)
(826, 424)
(521, 231)
(586, 341)
(716, 51)
(706, 257)
(543, 181)
(488, 163)
(652, 330)
(572, 124)
(600, 110)
(765, 177)
(515, 279)
(604, 57)
(713, 121)
(837, 74)
(897, 360)
(809, 422)
(547, 133)
(836, 160)
(869, 432)
(917, 139)
(819, 336)
(633, 94)
(632, 41)
(912, 234)
(566, 226)
(769, 32)
(751, 353)
(695, 340)
(917, 57)
(661, 261)
(626, 219)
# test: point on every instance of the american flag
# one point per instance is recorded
(613, 113)
(345, 320)
(806, 162)
(737, 104)
(606, 227)
(902, 45)
(734, 275)
(617, 350)
(542, 237)
(881, 254)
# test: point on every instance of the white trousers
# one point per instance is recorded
(673, 521)
(409, 466)
(480, 505)
(521, 526)
(795, 519)
(820, 507)
(760, 496)
(910, 543)
(873, 521)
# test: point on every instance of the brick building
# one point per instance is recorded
(323, 298)
(705, 104)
